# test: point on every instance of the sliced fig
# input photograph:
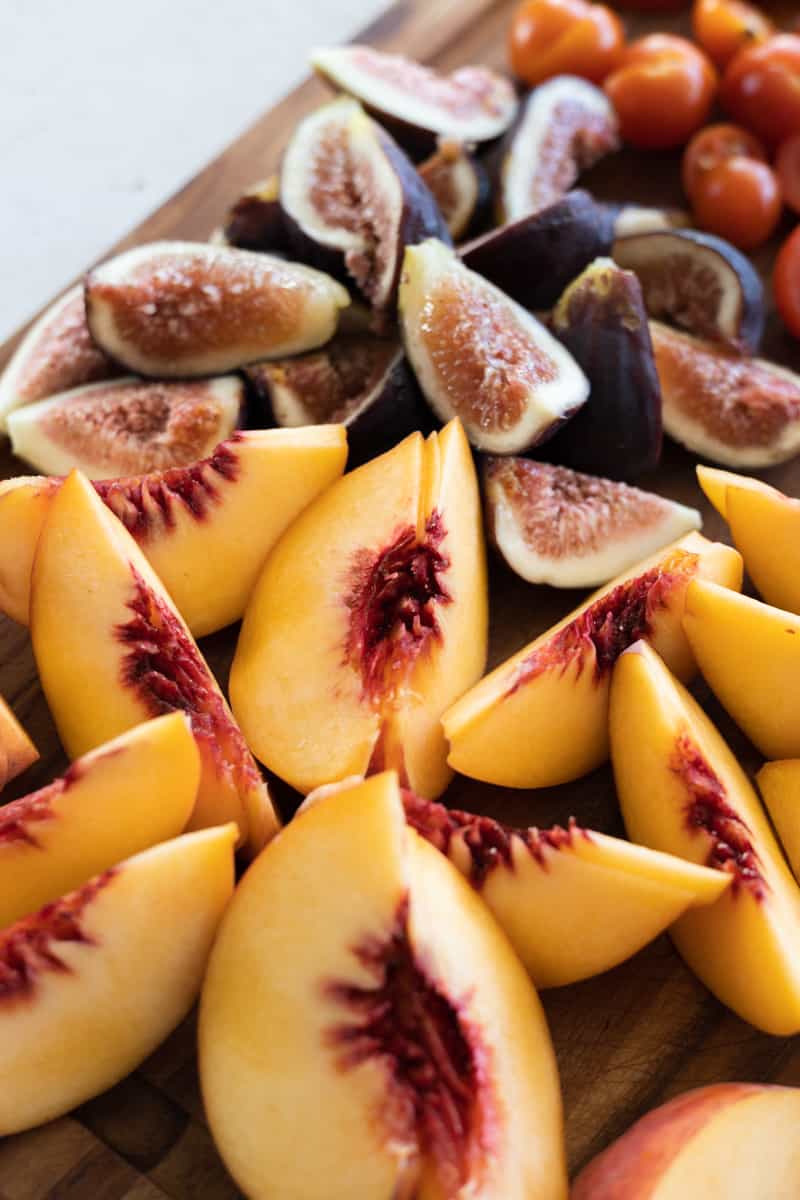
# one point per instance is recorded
(187, 308)
(56, 353)
(357, 380)
(556, 526)
(480, 356)
(459, 184)
(127, 427)
(630, 219)
(418, 104)
(255, 222)
(533, 259)
(353, 201)
(565, 126)
(699, 282)
(734, 410)
(602, 321)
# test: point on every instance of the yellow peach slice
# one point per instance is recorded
(682, 792)
(369, 618)
(541, 717)
(406, 1066)
(205, 529)
(730, 1141)
(131, 793)
(765, 527)
(779, 784)
(112, 650)
(17, 751)
(91, 984)
(715, 483)
(749, 654)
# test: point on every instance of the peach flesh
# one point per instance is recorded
(439, 1098)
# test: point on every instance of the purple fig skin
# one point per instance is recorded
(718, 265)
(602, 321)
(255, 222)
(534, 259)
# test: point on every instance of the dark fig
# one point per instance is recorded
(630, 219)
(255, 222)
(565, 127)
(480, 356)
(419, 105)
(352, 201)
(460, 186)
(128, 426)
(602, 321)
(187, 308)
(733, 410)
(699, 282)
(359, 381)
(533, 259)
(557, 526)
(56, 353)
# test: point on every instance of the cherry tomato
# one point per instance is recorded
(786, 282)
(713, 145)
(739, 199)
(761, 88)
(662, 91)
(564, 37)
(723, 27)
(787, 166)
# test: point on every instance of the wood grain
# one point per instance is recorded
(625, 1041)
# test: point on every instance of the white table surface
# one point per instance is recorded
(106, 108)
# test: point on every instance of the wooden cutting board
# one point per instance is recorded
(627, 1040)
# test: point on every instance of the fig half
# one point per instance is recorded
(419, 105)
(352, 200)
(738, 411)
(255, 221)
(556, 526)
(699, 282)
(459, 185)
(602, 321)
(480, 356)
(357, 380)
(533, 259)
(630, 219)
(565, 127)
(128, 426)
(187, 308)
(56, 353)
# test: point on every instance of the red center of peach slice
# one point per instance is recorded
(17, 818)
(31, 946)
(732, 849)
(392, 601)
(614, 622)
(438, 1096)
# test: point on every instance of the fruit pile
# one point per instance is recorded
(372, 979)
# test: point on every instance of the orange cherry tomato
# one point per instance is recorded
(662, 91)
(564, 37)
(761, 88)
(713, 145)
(739, 199)
(786, 283)
(723, 27)
(787, 166)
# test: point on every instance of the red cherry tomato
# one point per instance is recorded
(723, 27)
(787, 166)
(761, 88)
(739, 199)
(662, 91)
(786, 283)
(564, 37)
(713, 145)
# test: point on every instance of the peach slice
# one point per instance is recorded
(206, 529)
(715, 483)
(369, 618)
(112, 650)
(410, 1068)
(765, 527)
(749, 654)
(682, 791)
(730, 1141)
(92, 983)
(17, 751)
(541, 717)
(779, 784)
(131, 793)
